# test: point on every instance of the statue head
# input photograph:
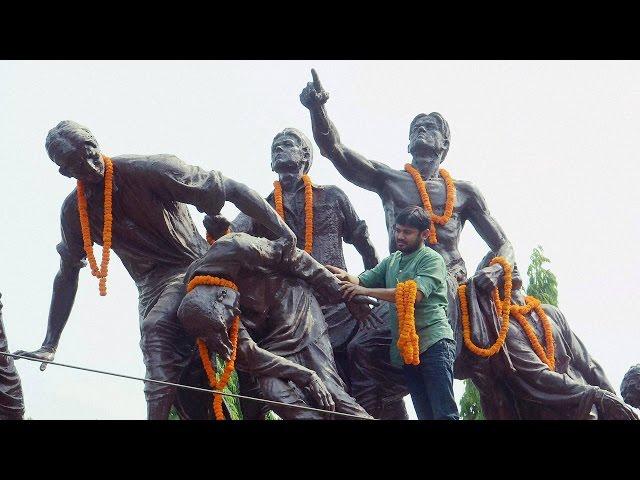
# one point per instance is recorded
(630, 387)
(75, 150)
(207, 312)
(291, 152)
(216, 226)
(429, 134)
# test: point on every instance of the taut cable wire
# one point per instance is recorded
(189, 387)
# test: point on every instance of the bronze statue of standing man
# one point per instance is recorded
(322, 217)
(451, 202)
(138, 203)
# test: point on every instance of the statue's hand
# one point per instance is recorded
(320, 393)
(313, 95)
(288, 246)
(610, 407)
(43, 353)
(360, 307)
(488, 278)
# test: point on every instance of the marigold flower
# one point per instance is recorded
(204, 351)
(83, 211)
(426, 201)
(308, 209)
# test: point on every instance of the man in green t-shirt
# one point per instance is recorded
(431, 381)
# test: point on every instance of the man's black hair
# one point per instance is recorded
(414, 217)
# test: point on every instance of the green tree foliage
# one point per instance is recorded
(543, 285)
(232, 403)
(470, 408)
(542, 282)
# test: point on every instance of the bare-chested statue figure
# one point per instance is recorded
(11, 401)
(429, 140)
(283, 339)
(152, 233)
(333, 220)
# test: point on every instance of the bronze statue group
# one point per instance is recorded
(270, 295)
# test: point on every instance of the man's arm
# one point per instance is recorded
(354, 167)
(356, 232)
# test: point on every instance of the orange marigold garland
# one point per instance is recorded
(519, 312)
(408, 340)
(426, 202)
(308, 209)
(100, 273)
(217, 384)
(505, 309)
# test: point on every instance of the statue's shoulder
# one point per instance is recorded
(70, 203)
(146, 163)
(466, 186)
(332, 190)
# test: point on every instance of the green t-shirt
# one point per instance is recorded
(428, 269)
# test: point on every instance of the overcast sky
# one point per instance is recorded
(550, 145)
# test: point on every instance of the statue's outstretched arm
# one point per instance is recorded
(253, 205)
(354, 167)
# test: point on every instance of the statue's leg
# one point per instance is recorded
(250, 387)
(342, 327)
(376, 384)
(166, 350)
(280, 390)
(318, 356)
(11, 401)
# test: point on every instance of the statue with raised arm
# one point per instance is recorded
(282, 339)
(322, 217)
(450, 202)
(541, 371)
(11, 401)
(137, 204)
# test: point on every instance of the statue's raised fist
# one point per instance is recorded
(313, 95)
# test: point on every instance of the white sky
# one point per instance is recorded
(550, 144)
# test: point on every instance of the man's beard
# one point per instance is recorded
(410, 248)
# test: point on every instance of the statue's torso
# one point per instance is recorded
(401, 192)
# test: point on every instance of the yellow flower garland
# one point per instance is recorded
(408, 340)
(204, 351)
(83, 211)
(308, 209)
(426, 202)
(505, 309)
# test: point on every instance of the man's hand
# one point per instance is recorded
(610, 407)
(342, 275)
(43, 353)
(350, 290)
(313, 95)
(320, 394)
